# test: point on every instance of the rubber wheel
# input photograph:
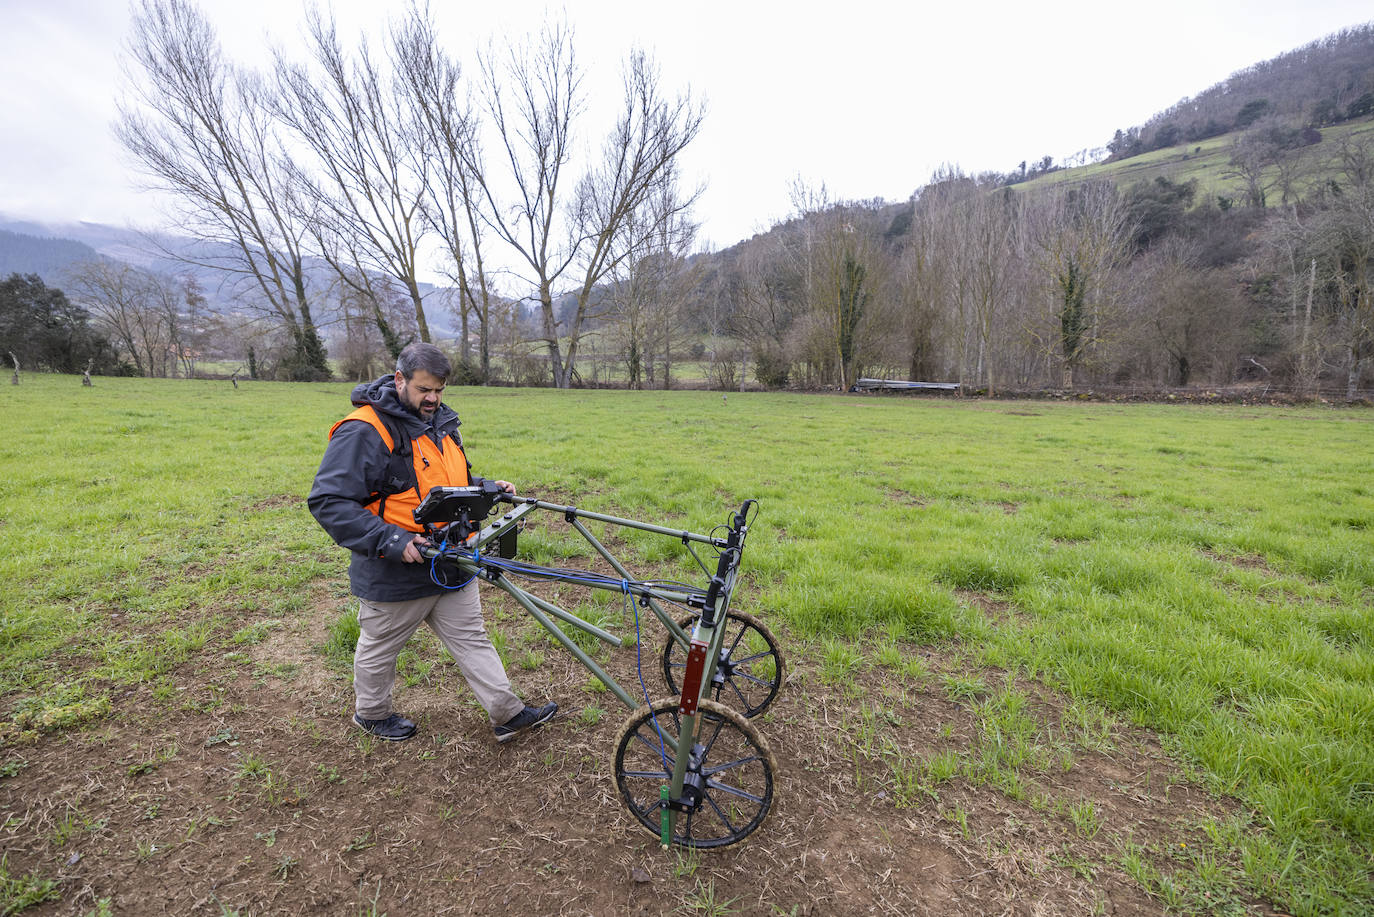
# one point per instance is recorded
(751, 666)
(737, 765)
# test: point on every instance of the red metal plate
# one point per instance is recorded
(691, 679)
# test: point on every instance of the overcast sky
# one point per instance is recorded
(867, 97)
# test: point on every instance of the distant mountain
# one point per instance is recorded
(50, 249)
(1325, 82)
(21, 253)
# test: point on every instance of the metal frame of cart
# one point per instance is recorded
(694, 769)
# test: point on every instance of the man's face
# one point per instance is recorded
(421, 392)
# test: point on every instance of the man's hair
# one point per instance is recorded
(423, 356)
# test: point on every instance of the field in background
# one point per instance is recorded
(597, 369)
(1203, 574)
(1207, 161)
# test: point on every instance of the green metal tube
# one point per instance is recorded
(678, 633)
(665, 816)
(685, 738)
(616, 520)
(469, 567)
(525, 599)
(602, 635)
(502, 524)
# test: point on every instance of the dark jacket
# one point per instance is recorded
(354, 466)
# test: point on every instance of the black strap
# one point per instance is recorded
(402, 447)
(400, 440)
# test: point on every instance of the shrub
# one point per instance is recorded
(771, 370)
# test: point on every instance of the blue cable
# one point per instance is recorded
(434, 571)
(639, 670)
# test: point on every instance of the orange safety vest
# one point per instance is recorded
(434, 467)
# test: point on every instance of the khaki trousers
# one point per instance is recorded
(456, 618)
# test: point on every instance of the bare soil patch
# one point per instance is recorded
(249, 792)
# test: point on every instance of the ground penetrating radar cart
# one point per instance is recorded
(694, 770)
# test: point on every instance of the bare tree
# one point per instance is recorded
(1343, 231)
(1250, 164)
(1268, 156)
(939, 270)
(810, 241)
(561, 230)
(922, 279)
(1290, 247)
(1194, 315)
(114, 294)
(139, 310)
(764, 294)
(649, 288)
(446, 128)
(1080, 237)
(199, 128)
(372, 320)
(631, 200)
(366, 180)
(933, 304)
(189, 327)
(846, 273)
(986, 231)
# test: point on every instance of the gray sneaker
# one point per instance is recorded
(524, 721)
(395, 728)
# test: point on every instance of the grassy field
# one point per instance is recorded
(606, 371)
(1203, 573)
(1207, 162)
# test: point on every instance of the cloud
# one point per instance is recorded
(868, 97)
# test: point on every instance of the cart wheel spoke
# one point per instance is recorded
(734, 773)
(732, 791)
(738, 693)
(722, 768)
(719, 814)
(749, 681)
(741, 660)
(714, 726)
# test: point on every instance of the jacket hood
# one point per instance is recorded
(381, 395)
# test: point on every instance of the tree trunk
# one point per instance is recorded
(484, 343)
(1305, 381)
(561, 376)
(418, 301)
(465, 351)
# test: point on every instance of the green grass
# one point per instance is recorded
(20, 892)
(1204, 572)
(1207, 161)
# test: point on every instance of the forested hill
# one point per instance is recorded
(1326, 82)
(47, 257)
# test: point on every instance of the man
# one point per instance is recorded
(381, 460)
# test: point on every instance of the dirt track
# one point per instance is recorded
(246, 791)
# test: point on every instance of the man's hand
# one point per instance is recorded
(411, 554)
(506, 486)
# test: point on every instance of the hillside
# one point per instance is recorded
(1323, 83)
(1207, 161)
(50, 250)
(49, 258)
(1326, 85)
